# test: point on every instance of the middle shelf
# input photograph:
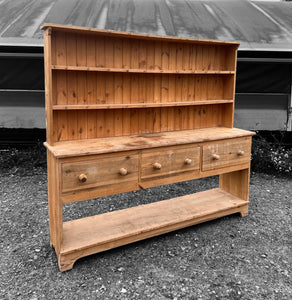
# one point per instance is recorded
(137, 105)
(135, 70)
(139, 90)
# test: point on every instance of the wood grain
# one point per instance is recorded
(130, 35)
(100, 172)
(127, 143)
(128, 111)
(228, 153)
(172, 162)
(129, 225)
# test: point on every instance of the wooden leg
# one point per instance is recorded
(55, 205)
(244, 211)
(51, 198)
(236, 183)
(65, 263)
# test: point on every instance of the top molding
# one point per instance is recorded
(87, 30)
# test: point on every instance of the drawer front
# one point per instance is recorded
(224, 154)
(160, 164)
(109, 171)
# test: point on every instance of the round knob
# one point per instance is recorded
(82, 178)
(157, 166)
(188, 161)
(240, 152)
(216, 156)
(123, 171)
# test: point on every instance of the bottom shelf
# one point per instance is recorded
(102, 232)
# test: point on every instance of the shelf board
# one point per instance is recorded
(145, 141)
(132, 224)
(136, 105)
(124, 70)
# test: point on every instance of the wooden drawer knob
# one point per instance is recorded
(240, 152)
(123, 171)
(188, 161)
(157, 166)
(82, 178)
(216, 156)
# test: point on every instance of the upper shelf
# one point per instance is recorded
(151, 71)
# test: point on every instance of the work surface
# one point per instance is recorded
(248, 259)
(126, 143)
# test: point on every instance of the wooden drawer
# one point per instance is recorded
(109, 171)
(160, 164)
(228, 153)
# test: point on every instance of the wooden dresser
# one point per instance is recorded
(130, 111)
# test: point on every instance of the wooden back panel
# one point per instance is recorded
(182, 83)
(79, 87)
(71, 49)
(80, 124)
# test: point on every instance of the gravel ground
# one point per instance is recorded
(228, 258)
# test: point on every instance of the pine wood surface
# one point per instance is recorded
(55, 204)
(127, 111)
(102, 172)
(138, 105)
(126, 143)
(136, 53)
(73, 67)
(165, 163)
(107, 90)
(144, 184)
(99, 70)
(48, 85)
(226, 153)
(86, 194)
(108, 227)
(104, 32)
(236, 183)
(103, 123)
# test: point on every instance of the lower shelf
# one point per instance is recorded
(102, 232)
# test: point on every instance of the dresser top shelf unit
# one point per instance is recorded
(129, 111)
(103, 83)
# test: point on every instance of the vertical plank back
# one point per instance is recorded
(177, 64)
